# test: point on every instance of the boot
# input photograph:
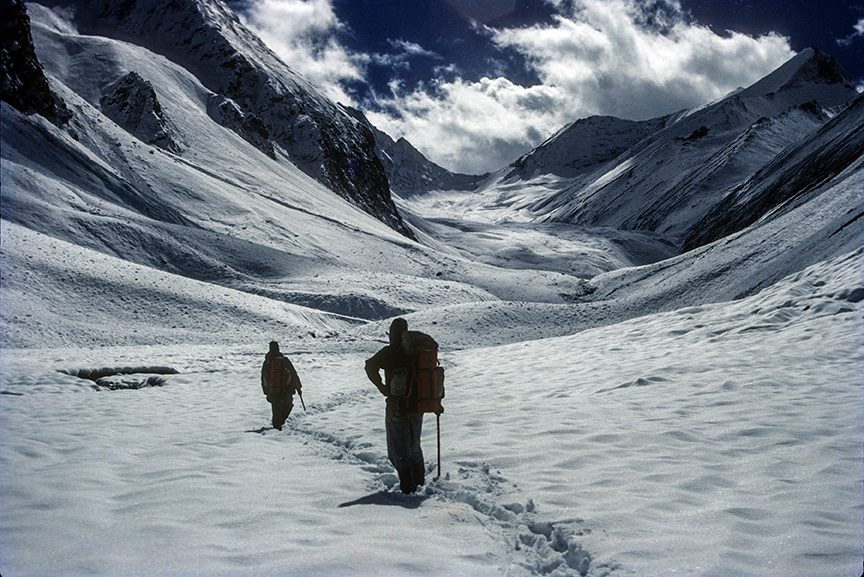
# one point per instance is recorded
(406, 480)
(419, 471)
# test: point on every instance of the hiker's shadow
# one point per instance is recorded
(386, 498)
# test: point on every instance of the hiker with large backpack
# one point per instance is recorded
(279, 381)
(414, 385)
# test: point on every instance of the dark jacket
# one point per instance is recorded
(389, 358)
(290, 381)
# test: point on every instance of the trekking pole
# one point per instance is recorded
(438, 427)
(300, 393)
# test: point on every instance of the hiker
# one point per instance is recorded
(403, 419)
(279, 381)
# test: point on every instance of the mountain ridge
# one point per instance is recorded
(671, 178)
(272, 105)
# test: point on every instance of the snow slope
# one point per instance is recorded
(787, 180)
(666, 174)
(824, 223)
(705, 441)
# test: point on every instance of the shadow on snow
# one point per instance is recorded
(387, 498)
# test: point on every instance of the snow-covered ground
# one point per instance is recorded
(717, 440)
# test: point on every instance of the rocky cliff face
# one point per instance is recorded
(22, 80)
(258, 96)
(131, 102)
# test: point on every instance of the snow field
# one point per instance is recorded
(104, 301)
(179, 477)
(703, 441)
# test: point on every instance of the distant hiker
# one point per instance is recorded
(279, 381)
(401, 361)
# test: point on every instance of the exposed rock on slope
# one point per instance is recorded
(131, 102)
(22, 80)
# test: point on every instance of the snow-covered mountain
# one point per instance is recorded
(409, 171)
(253, 92)
(785, 182)
(664, 175)
(583, 145)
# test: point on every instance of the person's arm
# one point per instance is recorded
(373, 370)
(264, 377)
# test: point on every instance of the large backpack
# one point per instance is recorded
(427, 376)
(277, 382)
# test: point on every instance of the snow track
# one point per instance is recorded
(536, 545)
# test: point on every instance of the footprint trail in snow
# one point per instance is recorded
(537, 546)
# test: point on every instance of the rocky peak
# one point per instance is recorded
(408, 170)
(819, 68)
(809, 70)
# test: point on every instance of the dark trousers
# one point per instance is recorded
(281, 407)
(403, 446)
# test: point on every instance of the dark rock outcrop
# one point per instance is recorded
(22, 79)
(131, 102)
(227, 113)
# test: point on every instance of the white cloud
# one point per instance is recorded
(859, 33)
(627, 58)
(400, 59)
(471, 126)
(303, 34)
(609, 57)
(598, 57)
(413, 49)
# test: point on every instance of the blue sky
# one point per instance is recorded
(475, 83)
